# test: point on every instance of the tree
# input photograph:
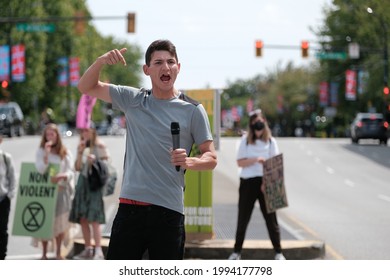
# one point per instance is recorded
(43, 49)
(349, 21)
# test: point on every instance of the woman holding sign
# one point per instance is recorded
(255, 148)
(52, 151)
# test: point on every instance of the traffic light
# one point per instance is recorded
(259, 47)
(79, 23)
(386, 90)
(4, 84)
(131, 23)
(305, 48)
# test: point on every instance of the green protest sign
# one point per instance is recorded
(35, 202)
(275, 191)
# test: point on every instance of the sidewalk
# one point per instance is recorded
(256, 245)
(295, 243)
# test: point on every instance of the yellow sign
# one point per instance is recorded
(198, 195)
(205, 97)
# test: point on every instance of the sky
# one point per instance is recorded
(215, 39)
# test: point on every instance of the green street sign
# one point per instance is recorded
(36, 27)
(332, 55)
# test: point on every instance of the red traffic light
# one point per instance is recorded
(305, 48)
(259, 47)
(4, 84)
(386, 90)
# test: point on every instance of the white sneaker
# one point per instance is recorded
(235, 256)
(86, 254)
(98, 256)
(279, 257)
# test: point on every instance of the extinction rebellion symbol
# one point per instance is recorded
(33, 217)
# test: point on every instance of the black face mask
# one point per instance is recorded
(257, 125)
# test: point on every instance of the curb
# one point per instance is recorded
(253, 249)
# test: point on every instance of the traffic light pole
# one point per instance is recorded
(56, 19)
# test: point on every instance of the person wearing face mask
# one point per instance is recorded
(255, 148)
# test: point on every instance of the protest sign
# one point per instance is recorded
(275, 191)
(35, 202)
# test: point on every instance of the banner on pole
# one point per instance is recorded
(63, 71)
(4, 63)
(18, 63)
(350, 85)
(74, 70)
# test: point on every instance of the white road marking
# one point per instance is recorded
(330, 170)
(384, 197)
(349, 183)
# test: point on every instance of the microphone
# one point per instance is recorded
(175, 131)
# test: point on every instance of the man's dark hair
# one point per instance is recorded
(160, 45)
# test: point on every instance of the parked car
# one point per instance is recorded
(11, 119)
(370, 126)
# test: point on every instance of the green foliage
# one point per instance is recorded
(289, 96)
(284, 96)
(349, 21)
(43, 49)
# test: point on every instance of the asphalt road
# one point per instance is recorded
(337, 192)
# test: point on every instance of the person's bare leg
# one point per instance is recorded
(59, 239)
(44, 250)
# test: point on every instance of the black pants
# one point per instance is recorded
(249, 192)
(154, 230)
(5, 206)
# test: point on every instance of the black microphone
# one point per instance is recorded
(175, 131)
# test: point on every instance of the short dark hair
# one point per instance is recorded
(160, 45)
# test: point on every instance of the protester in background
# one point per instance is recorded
(151, 211)
(7, 191)
(47, 116)
(52, 151)
(255, 148)
(88, 205)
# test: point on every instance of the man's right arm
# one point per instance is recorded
(90, 84)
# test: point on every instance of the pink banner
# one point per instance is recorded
(18, 63)
(84, 111)
(350, 85)
(324, 94)
(74, 70)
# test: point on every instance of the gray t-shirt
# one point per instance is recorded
(149, 175)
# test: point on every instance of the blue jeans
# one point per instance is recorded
(153, 229)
